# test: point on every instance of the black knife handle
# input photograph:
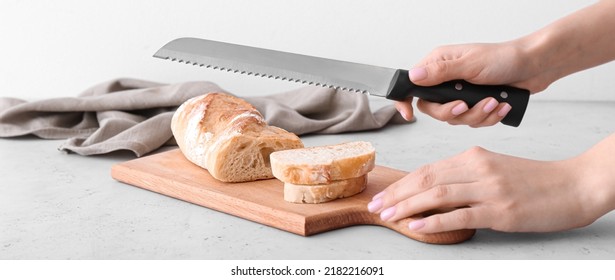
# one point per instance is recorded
(401, 88)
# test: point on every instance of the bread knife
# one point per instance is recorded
(390, 83)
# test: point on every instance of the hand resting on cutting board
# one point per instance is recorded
(503, 192)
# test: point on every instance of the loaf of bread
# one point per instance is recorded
(324, 164)
(325, 192)
(227, 136)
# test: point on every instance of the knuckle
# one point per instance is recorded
(485, 168)
(464, 218)
(476, 151)
(426, 177)
(455, 122)
(440, 191)
(391, 196)
(435, 222)
(488, 167)
(441, 67)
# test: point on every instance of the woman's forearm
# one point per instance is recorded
(579, 41)
(596, 176)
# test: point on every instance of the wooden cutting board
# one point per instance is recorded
(171, 174)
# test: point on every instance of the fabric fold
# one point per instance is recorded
(135, 115)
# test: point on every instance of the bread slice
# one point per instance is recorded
(227, 136)
(326, 192)
(324, 164)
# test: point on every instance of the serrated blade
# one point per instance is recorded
(300, 68)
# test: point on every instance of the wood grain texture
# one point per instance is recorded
(170, 174)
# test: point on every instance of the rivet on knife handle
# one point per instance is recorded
(401, 88)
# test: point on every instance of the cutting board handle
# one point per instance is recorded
(401, 226)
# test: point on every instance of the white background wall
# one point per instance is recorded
(58, 48)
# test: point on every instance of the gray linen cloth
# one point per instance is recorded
(135, 115)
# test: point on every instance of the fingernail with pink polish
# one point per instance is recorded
(459, 109)
(387, 213)
(375, 205)
(415, 225)
(490, 106)
(417, 74)
(504, 110)
(404, 115)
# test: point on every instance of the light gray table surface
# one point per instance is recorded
(65, 206)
